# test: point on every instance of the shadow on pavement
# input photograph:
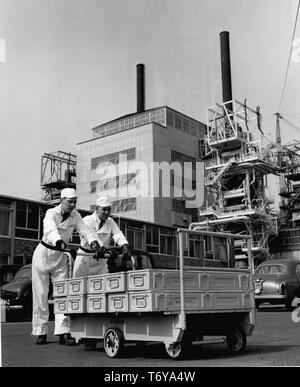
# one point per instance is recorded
(198, 352)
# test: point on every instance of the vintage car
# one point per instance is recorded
(17, 296)
(277, 282)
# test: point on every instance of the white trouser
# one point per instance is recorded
(86, 265)
(47, 263)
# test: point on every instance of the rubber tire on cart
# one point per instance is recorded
(180, 350)
(89, 344)
(236, 341)
(113, 342)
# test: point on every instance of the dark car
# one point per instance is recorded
(17, 295)
(277, 282)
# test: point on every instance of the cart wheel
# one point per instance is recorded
(113, 342)
(174, 350)
(236, 341)
(179, 350)
(89, 344)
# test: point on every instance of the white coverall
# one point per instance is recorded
(85, 265)
(47, 262)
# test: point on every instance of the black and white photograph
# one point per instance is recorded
(150, 186)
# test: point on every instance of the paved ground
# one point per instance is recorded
(275, 342)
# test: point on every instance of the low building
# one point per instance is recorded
(21, 229)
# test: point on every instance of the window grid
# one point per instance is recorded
(112, 158)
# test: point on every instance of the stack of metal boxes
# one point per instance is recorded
(70, 295)
(151, 290)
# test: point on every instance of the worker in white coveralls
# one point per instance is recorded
(106, 228)
(50, 261)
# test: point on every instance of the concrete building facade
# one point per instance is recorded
(153, 136)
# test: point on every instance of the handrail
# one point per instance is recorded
(180, 232)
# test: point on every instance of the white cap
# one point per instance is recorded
(68, 193)
(104, 202)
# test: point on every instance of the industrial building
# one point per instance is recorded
(237, 163)
(148, 136)
(237, 169)
(287, 243)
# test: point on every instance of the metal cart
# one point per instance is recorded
(222, 309)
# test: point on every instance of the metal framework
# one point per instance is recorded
(290, 186)
(58, 171)
(237, 165)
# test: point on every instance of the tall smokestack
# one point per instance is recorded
(140, 87)
(226, 69)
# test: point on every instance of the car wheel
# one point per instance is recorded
(288, 303)
(27, 305)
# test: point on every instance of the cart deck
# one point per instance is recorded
(175, 307)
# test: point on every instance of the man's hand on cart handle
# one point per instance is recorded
(101, 253)
(60, 245)
(98, 250)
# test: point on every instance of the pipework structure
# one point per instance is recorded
(237, 165)
(290, 191)
(58, 171)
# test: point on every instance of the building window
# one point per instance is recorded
(19, 260)
(123, 205)
(21, 214)
(152, 238)
(112, 182)
(4, 259)
(196, 248)
(183, 158)
(135, 237)
(113, 158)
(5, 218)
(186, 124)
(157, 115)
(43, 210)
(167, 241)
(27, 221)
(33, 216)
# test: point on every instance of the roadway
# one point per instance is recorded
(274, 342)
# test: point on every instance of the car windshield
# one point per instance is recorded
(23, 273)
(271, 269)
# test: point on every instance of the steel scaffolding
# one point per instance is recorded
(58, 171)
(237, 164)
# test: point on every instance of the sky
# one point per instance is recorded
(67, 66)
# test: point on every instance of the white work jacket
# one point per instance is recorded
(108, 231)
(55, 229)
